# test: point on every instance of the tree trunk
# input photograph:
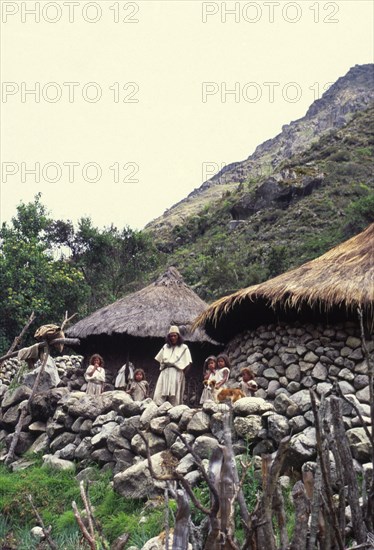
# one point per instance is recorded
(181, 529)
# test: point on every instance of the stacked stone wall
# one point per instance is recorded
(73, 429)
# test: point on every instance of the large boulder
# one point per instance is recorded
(251, 405)
(89, 406)
(204, 446)
(303, 448)
(117, 441)
(100, 439)
(278, 427)
(149, 413)
(199, 423)
(248, 427)
(155, 444)
(44, 403)
(359, 443)
(137, 482)
(13, 397)
(51, 461)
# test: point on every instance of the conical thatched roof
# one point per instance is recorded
(148, 312)
(339, 281)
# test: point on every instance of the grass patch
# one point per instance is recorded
(53, 493)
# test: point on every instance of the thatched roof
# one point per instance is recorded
(148, 312)
(335, 283)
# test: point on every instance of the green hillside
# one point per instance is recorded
(265, 226)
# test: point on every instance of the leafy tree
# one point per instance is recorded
(111, 260)
(30, 277)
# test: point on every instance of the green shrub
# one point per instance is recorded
(359, 215)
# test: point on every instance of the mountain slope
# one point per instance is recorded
(348, 95)
(262, 227)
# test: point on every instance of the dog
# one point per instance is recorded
(221, 395)
(229, 393)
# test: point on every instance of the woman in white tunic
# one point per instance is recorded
(174, 357)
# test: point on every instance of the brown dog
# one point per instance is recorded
(219, 396)
(229, 393)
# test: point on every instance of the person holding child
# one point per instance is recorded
(138, 388)
(210, 369)
(95, 375)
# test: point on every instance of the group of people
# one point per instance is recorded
(175, 361)
(217, 369)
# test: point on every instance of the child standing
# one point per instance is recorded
(139, 387)
(210, 369)
(223, 372)
(95, 375)
(248, 384)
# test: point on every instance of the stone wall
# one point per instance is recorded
(71, 427)
(290, 359)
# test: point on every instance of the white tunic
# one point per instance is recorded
(95, 380)
(170, 384)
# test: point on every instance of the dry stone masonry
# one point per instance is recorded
(74, 430)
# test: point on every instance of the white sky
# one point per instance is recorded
(169, 51)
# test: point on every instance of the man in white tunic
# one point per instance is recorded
(174, 358)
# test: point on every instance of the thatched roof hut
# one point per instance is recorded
(329, 288)
(148, 312)
(134, 327)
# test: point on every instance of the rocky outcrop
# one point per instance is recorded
(349, 94)
(276, 191)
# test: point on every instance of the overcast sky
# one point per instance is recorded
(120, 109)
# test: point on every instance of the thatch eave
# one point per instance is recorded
(148, 312)
(336, 283)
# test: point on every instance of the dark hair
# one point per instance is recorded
(97, 356)
(211, 357)
(225, 358)
(179, 340)
(141, 371)
(248, 371)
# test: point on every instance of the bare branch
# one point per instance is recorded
(350, 479)
(325, 475)
(65, 341)
(10, 456)
(18, 338)
(82, 527)
(67, 319)
(46, 531)
(199, 464)
(87, 506)
(172, 477)
(302, 511)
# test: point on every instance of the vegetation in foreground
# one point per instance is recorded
(53, 493)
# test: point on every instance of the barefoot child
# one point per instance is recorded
(95, 375)
(139, 387)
